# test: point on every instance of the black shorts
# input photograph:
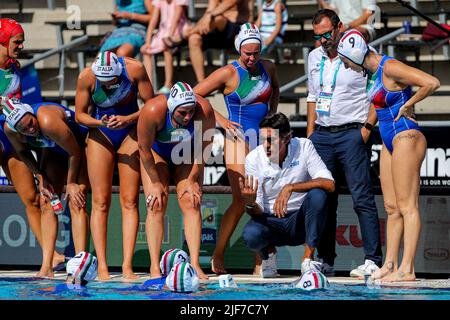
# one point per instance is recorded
(221, 39)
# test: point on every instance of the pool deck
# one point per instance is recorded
(243, 278)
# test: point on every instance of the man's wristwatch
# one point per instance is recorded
(368, 126)
(249, 207)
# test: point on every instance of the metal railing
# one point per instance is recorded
(61, 49)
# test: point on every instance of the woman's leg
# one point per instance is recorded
(234, 152)
(79, 216)
(53, 166)
(394, 218)
(100, 164)
(168, 68)
(147, 60)
(192, 217)
(409, 152)
(154, 224)
(129, 176)
(23, 181)
(125, 50)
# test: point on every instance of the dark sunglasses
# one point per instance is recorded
(326, 35)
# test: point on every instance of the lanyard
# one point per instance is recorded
(333, 84)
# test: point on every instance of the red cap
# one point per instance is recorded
(8, 29)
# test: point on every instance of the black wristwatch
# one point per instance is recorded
(368, 126)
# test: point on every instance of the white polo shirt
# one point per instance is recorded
(349, 102)
(350, 10)
(302, 164)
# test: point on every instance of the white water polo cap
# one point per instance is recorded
(353, 46)
(106, 66)
(83, 266)
(170, 258)
(249, 33)
(312, 280)
(14, 111)
(182, 278)
(181, 94)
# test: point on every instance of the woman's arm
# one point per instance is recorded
(403, 74)
(146, 132)
(53, 125)
(208, 121)
(215, 81)
(258, 20)
(143, 18)
(152, 25)
(83, 101)
(23, 151)
(275, 97)
(179, 10)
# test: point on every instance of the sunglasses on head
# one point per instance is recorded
(326, 35)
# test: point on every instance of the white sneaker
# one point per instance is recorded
(309, 264)
(327, 270)
(367, 268)
(269, 266)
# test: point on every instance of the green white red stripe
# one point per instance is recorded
(183, 86)
(250, 25)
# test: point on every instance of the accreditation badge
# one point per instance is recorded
(323, 104)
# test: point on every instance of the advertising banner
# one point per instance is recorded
(18, 245)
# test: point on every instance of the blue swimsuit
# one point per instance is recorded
(119, 99)
(387, 105)
(249, 103)
(80, 132)
(169, 136)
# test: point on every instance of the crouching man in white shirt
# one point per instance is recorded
(285, 192)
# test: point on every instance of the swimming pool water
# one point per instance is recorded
(38, 289)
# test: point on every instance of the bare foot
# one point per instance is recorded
(257, 270)
(129, 275)
(45, 273)
(155, 272)
(385, 270)
(57, 259)
(399, 276)
(103, 274)
(217, 265)
(201, 275)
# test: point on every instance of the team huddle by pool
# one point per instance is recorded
(285, 184)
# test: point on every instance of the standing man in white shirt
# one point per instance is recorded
(340, 120)
(354, 14)
(285, 192)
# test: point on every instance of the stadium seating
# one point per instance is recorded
(43, 26)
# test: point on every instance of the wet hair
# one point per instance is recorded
(277, 121)
(326, 13)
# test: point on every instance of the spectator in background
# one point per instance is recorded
(272, 21)
(172, 23)
(217, 28)
(131, 18)
(354, 14)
